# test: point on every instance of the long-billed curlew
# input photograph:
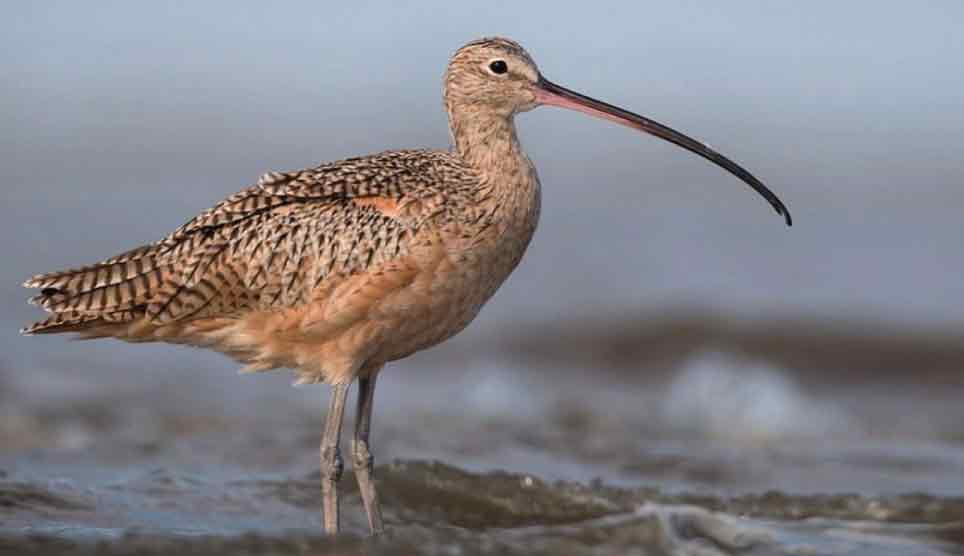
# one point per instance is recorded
(339, 269)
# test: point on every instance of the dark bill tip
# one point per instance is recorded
(549, 93)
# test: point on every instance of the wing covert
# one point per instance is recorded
(269, 245)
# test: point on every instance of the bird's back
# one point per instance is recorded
(270, 247)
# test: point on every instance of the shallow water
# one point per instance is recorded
(435, 508)
(705, 446)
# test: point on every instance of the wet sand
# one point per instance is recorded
(688, 434)
(435, 508)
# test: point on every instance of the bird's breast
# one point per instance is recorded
(462, 261)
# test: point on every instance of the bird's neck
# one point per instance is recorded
(487, 141)
(509, 190)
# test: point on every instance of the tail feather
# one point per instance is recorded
(113, 291)
(72, 321)
(187, 275)
(108, 273)
(98, 296)
(61, 322)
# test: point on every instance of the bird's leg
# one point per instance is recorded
(331, 464)
(362, 460)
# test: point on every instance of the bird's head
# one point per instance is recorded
(492, 74)
(496, 76)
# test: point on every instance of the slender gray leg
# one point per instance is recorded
(331, 464)
(362, 460)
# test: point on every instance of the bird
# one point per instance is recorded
(337, 270)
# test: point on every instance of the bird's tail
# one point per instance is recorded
(110, 292)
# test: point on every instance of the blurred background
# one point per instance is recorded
(665, 327)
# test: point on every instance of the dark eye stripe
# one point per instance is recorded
(499, 67)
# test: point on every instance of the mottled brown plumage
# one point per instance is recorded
(336, 270)
(275, 253)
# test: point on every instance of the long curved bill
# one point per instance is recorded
(551, 94)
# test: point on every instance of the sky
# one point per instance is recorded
(122, 120)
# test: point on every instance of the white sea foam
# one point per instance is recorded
(722, 396)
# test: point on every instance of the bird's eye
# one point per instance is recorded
(498, 67)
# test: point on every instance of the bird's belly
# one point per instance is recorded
(444, 298)
(452, 284)
(377, 316)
